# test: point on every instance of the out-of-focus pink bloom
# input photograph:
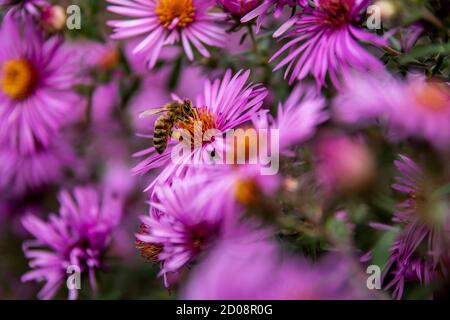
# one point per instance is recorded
(30, 172)
(78, 236)
(225, 104)
(362, 99)
(118, 178)
(343, 164)
(421, 250)
(239, 7)
(95, 56)
(36, 86)
(410, 35)
(25, 7)
(236, 45)
(267, 7)
(241, 185)
(413, 108)
(167, 22)
(152, 93)
(251, 268)
(104, 99)
(297, 117)
(324, 40)
(137, 61)
(182, 223)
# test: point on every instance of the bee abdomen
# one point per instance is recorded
(161, 134)
(160, 146)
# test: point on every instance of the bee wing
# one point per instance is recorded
(151, 112)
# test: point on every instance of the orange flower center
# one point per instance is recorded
(432, 96)
(246, 192)
(18, 78)
(244, 144)
(175, 13)
(149, 251)
(207, 120)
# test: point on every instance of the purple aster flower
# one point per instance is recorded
(166, 22)
(78, 236)
(382, 97)
(239, 7)
(97, 56)
(267, 7)
(324, 40)
(297, 118)
(94, 57)
(30, 172)
(420, 251)
(225, 104)
(251, 267)
(182, 223)
(249, 180)
(36, 81)
(241, 185)
(25, 7)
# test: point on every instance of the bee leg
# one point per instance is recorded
(176, 134)
(196, 116)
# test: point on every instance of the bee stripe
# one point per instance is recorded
(160, 127)
(159, 133)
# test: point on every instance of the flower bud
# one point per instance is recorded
(343, 164)
(239, 7)
(53, 18)
(387, 8)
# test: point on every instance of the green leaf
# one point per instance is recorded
(425, 51)
(441, 192)
(381, 251)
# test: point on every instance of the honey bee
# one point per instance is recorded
(175, 111)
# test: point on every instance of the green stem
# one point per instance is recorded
(254, 42)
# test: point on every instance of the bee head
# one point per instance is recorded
(187, 107)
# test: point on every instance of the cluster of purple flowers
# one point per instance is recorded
(216, 224)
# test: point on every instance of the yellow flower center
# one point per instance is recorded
(175, 13)
(432, 96)
(18, 78)
(246, 192)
